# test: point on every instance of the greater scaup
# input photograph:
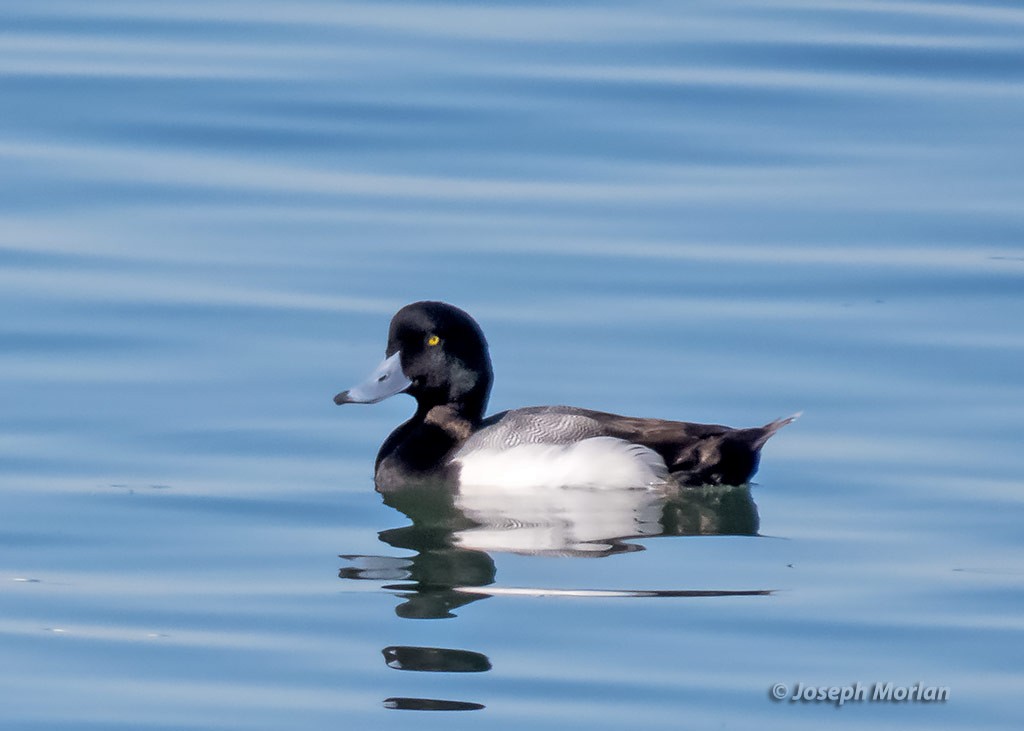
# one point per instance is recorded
(438, 354)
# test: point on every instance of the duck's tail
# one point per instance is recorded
(770, 428)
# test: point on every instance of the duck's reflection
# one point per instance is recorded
(430, 579)
(435, 659)
(593, 523)
(454, 532)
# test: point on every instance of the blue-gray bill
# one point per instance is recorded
(386, 380)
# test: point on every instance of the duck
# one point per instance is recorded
(437, 353)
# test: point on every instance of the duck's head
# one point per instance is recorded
(436, 353)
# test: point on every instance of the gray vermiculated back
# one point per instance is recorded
(534, 425)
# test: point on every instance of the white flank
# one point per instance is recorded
(595, 462)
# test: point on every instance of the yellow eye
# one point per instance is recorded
(433, 340)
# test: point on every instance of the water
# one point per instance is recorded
(728, 213)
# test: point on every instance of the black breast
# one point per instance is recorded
(418, 451)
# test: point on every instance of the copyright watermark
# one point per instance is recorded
(839, 695)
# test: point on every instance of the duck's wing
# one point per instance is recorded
(696, 454)
(699, 454)
(555, 425)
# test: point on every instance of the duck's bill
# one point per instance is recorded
(386, 380)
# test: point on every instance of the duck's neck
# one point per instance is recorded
(452, 420)
(458, 416)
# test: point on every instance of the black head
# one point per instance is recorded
(443, 360)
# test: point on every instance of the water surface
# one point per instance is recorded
(726, 212)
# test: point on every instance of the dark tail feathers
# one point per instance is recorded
(766, 431)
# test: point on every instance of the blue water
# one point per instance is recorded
(720, 211)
